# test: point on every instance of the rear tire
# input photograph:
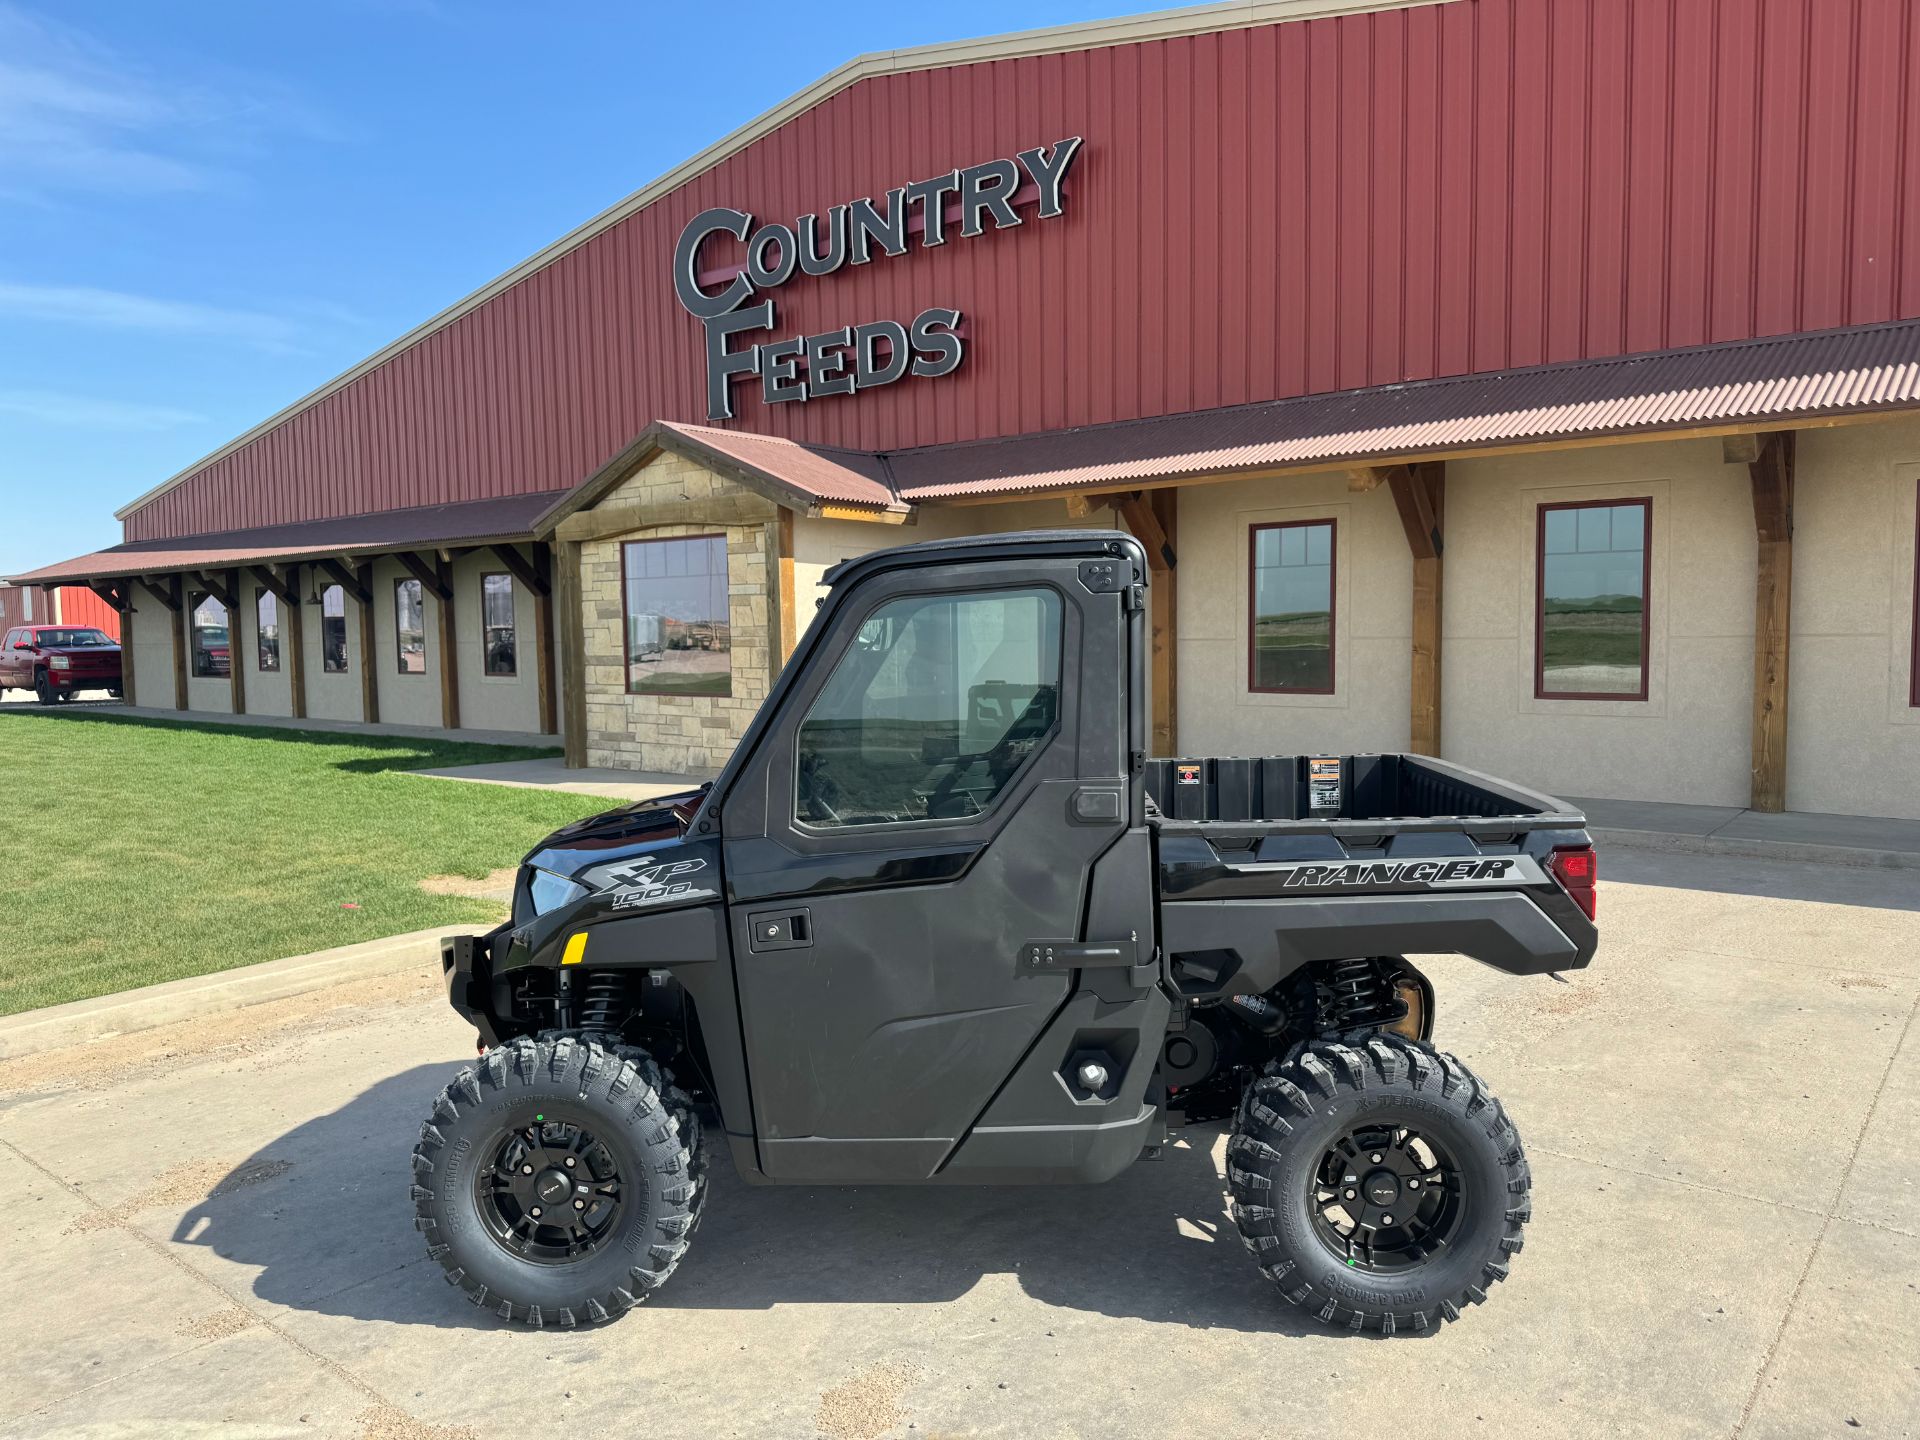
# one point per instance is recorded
(1414, 1131)
(633, 1151)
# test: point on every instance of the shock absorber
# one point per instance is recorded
(1355, 994)
(603, 1000)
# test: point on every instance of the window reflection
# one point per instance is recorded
(1593, 600)
(1292, 626)
(678, 636)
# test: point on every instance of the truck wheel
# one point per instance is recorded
(558, 1180)
(1377, 1183)
(44, 689)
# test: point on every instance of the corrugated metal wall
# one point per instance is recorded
(1258, 213)
(70, 605)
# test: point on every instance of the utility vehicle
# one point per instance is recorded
(941, 920)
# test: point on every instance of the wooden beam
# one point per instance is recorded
(119, 594)
(293, 637)
(788, 633)
(110, 591)
(176, 604)
(1771, 478)
(1144, 521)
(872, 517)
(432, 575)
(1163, 614)
(236, 652)
(449, 617)
(522, 569)
(573, 650)
(1740, 449)
(360, 585)
(622, 516)
(1428, 482)
(1080, 504)
(168, 594)
(274, 582)
(221, 590)
(1414, 496)
(356, 583)
(1363, 479)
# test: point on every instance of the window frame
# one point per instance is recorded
(195, 598)
(399, 650)
(1333, 607)
(346, 662)
(1913, 635)
(261, 595)
(841, 833)
(626, 612)
(1540, 691)
(513, 613)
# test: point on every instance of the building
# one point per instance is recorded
(1534, 381)
(59, 605)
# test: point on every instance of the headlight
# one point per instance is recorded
(549, 891)
(60, 662)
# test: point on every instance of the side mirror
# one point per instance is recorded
(22, 645)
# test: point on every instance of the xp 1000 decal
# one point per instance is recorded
(632, 886)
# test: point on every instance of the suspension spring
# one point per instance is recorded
(602, 1004)
(1356, 995)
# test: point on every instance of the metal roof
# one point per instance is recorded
(472, 522)
(1790, 377)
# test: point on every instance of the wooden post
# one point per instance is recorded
(177, 603)
(293, 629)
(1419, 494)
(1154, 520)
(788, 633)
(573, 651)
(544, 636)
(1770, 473)
(119, 594)
(236, 652)
(449, 647)
(369, 680)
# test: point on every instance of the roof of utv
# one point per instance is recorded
(1010, 545)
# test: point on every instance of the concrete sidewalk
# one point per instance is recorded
(209, 1228)
(1729, 830)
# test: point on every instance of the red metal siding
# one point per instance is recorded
(77, 606)
(1257, 214)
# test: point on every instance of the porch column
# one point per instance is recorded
(1420, 495)
(1769, 462)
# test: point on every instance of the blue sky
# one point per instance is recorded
(207, 209)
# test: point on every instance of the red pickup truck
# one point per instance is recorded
(57, 661)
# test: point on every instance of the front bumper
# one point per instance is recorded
(466, 964)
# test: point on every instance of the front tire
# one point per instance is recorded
(1377, 1183)
(45, 690)
(558, 1180)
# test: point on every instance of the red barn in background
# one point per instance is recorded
(64, 605)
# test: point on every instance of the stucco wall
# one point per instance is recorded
(1853, 738)
(334, 696)
(151, 638)
(404, 699)
(268, 692)
(210, 693)
(1373, 580)
(495, 702)
(674, 734)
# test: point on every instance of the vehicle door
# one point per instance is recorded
(928, 800)
(9, 667)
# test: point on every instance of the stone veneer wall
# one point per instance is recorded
(676, 734)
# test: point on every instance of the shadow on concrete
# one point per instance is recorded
(331, 1231)
(1869, 886)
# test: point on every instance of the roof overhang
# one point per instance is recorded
(470, 525)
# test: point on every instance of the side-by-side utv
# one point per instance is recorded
(941, 920)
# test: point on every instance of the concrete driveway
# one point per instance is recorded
(209, 1227)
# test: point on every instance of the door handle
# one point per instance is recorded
(780, 930)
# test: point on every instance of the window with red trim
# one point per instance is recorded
(1590, 600)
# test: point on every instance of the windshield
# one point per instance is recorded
(60, 638)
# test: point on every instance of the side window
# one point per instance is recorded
(1290, 637)
(212, 638)
(1591, 610)
(496, 624)
(409, 627)
(267, 611)
(933, 710)
(333, 630)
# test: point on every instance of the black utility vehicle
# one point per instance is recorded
(941, 921)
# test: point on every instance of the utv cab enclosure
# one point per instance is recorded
(942, 920)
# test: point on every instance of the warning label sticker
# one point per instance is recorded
(1186, 772)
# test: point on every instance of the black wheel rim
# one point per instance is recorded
(551, 1192)
(1387, 1197)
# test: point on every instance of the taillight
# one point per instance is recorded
(1578, 871)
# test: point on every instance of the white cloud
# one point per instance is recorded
(118, 310)
(54, 407)
(75, 116)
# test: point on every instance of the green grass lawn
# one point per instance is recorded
(138, 850)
